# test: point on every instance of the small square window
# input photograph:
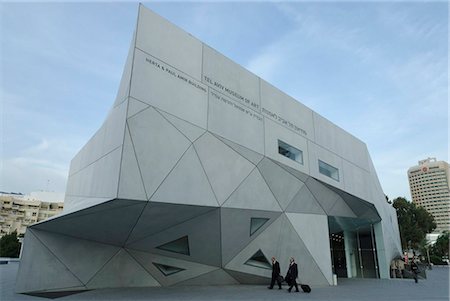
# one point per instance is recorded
(290, 152)
(328, 170)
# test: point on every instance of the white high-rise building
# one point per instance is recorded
(430, 188)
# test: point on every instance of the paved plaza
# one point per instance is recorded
(435, 288)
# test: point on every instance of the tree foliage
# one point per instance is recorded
(9, 245)
(413, 222)
(441, 246)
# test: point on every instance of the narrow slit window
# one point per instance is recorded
(259, 260)
(180, 245)
(328, 170)
(257, 223)
(167, 270)
(290, 152)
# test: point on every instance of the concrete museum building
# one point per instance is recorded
(200, 173)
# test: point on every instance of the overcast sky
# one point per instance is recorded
(378, 70)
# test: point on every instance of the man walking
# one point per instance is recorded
(415, 270)
(292, 275)
(275, 274)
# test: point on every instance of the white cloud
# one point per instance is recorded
(40, 166)
(265, 64)
(33, 174)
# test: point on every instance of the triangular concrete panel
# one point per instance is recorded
(135, 106)
(186, 184)
(82, 257)
(316, 242)
(341, 208)
(130, 180)
(203, 233)
(236, 229)
(298, 174)
(361, 208)
(37, 259)
(112, 226)
(254, 194)
(322, 194)
(191, 131)
(267, 242)
(304, 202)
(217, 277)
(250, 155)
(245, 278)
(124, 88)
(122, 271)
(225, 168)
(103, 205)
(97, 205)
(283, 185)
(152, 134)
(100, 179)
(114, 130)
(157, 217)
(190, 269)
(73, 204)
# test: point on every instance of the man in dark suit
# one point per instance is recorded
(414, 269)
(275, 274)
(292, 275)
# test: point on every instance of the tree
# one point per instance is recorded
(440, 248)
(413, 222)
(9, 245)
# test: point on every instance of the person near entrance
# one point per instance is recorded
(393, 268)
(292, 275)
(275, 274)
(400, 267)
(415, 270)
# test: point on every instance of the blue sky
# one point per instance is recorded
(379, 70)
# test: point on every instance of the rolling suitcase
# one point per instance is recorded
(306, 288)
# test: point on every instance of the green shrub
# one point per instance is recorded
(9, 245)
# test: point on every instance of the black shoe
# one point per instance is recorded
(270, 287)
(289, 290)
(279, 288)
(297, 291)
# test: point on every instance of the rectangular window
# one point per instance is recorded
(290, 152)
(328, 170)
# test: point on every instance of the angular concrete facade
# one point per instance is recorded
(201, 172)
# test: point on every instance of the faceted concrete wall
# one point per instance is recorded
(184, 182)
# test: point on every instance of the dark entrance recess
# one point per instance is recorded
(338, 254)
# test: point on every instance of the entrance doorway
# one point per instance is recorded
(338, 254)
(353, 248)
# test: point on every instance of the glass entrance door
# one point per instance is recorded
(338, 254)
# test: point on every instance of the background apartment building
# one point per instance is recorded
(17, 211)
(430, 188)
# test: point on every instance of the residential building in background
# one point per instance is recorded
(430, 188)
(18, 211)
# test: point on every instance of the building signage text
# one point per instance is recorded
(175, 73)
(223, 88)
(283, 121)
(251, 113)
